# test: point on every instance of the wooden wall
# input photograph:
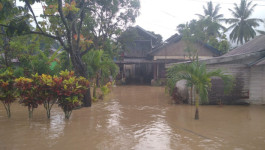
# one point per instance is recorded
(240, 92)
(257, 84)
(249, 84)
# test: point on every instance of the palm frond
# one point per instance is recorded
(216, 10)
(261, 32)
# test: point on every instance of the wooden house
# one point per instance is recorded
(134, 64)
(146, 58)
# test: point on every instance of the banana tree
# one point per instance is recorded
(100, 66)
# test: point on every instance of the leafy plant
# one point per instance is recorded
(70, 91)
(99, 66)
(45, 87)
(28, 93)
(105, 90)
(7, 90)
(198, 78)
(241, 24)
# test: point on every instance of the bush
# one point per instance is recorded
(71, 91)
(7, 90)
(28, 93)
(45, 87)
(67, 89)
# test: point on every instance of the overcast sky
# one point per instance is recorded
(163, 16)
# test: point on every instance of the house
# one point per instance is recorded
(247, 64)
(146, 58)
(134, 64)
(174, 50)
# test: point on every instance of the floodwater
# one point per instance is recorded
(137, 118)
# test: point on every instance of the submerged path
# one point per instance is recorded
(135, 117)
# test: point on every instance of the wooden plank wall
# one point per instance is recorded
(240, 93)
(257, 84)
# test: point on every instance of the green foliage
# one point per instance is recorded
(100, 65)
(67, 90)
(42, 63)
(222, 45)
(196, 31)
(211, 20)
(193, 31)
(46, 91)
(79, 26)
(65, 61)
(8, 92)
(198, 77)
(28, 93)
(70, 91)
(18, 72)
(206, 29)
(18, 26)
(242, 25)
(105, 90)
(8, 9)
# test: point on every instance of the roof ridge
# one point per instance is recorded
(147, 32)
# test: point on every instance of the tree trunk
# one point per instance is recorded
(95, 91)
(80, 70)
(6, 48)
(30, 109)
(191, 96)
(8, 112)
(87, 99)
(7, 107)
(197, 106)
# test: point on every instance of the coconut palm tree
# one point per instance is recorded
(211, 19)
(242, 26)
(211, 12)
(262, 31)
(199, 78)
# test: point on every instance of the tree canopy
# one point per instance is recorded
(79, 26)
(241, 24)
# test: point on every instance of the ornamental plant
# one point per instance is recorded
(28, 93)
(45, 87)
(7, 90)
(70, 91)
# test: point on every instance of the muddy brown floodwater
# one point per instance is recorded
(138, 118)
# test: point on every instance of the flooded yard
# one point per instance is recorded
(138, 118)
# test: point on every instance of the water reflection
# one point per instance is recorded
(115, 114)
(56, 126)
(153, 136)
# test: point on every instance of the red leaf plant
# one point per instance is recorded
(28, 93)
(70, 92)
